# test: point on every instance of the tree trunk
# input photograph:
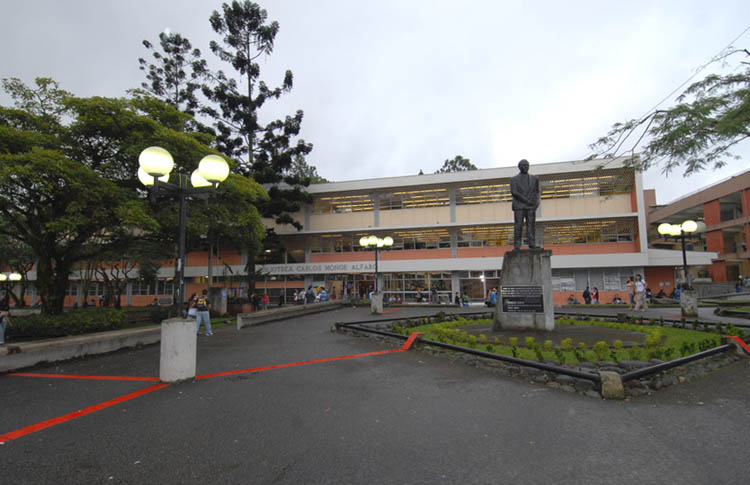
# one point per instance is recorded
(52, 282)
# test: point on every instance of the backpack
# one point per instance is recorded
(201, 304)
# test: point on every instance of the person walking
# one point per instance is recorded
(631, 292)
(202, 314)
(587, 296)
(192, 310)
(640, 294)
(4, 322)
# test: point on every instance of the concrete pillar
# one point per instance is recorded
(376, 304)
(178, 350)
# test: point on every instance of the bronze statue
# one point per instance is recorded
(526, 198)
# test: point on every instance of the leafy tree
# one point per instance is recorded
(68, 188)
(266, 152)
(711, 116)
(457, 164)
(19, 258)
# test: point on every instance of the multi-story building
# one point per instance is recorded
(450, 233)
(725, 209)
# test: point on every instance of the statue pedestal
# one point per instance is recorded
(525, 300)
(689, 303)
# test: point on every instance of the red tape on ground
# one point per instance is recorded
(407, 345)
(77, 414)
(96, 378)
(740, 342)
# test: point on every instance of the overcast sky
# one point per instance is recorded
(391, 87)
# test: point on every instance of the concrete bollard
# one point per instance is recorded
(178, 350)
(376, 304)
(612, 385)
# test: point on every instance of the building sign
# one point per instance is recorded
(522, 299)
(317, 268)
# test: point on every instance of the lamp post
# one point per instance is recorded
(680, 231)
(6, 279)
(376, 243)
(155, 165)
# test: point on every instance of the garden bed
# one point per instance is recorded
(571, 357)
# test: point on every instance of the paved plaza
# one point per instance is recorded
(402, 417)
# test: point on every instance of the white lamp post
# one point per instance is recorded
(155, 165)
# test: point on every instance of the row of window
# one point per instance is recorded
(582, 232)
(592, 184)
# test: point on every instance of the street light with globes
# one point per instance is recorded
(376, 243)
(6, 279)
(155, 165)
(681, 231)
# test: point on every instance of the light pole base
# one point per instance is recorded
(376, 304)
(177, 360)
(689, 303)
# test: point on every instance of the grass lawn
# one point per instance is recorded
(665, 343)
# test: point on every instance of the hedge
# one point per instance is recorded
(74, 322)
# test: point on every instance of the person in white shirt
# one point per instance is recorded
(640, 294)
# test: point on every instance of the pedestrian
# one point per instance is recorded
(493, 297)
(457, 300)
(4, 322)
(587, 296)
(264, 300)
(202, 313)
(255, 301)
(640, 294)
(310, 295)
(323, 295)
(192, 310)
(631, 292)
(466, 300)
(595, 296)
(282, 298)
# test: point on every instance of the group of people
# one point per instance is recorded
(303, 297)
(638, 293)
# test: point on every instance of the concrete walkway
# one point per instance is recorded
(389, 418)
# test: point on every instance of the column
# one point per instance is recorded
(715, 239)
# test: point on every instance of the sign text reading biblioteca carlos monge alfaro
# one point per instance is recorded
(314, 268)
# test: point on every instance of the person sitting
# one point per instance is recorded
(617, 300)
(661, 294)
(572, 300)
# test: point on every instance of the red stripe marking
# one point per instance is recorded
(393, 310)
(99, 378)
(77, 414)
(740, 342)
(410, 341)
(294, 364)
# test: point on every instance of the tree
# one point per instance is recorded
(266, 152)
(711, 116)
(177, 74)
(457, 164)
(68, 187)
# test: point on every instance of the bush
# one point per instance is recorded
(560, 356)
(529, 342)
(617, 344)
(601, 349)
(75, 322)
(634, 352)
(567, 344)
(548, 345)
(482, 339)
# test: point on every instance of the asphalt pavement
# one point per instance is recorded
(404, 417)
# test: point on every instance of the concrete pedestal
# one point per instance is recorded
(376, 303)
(525, 300)
(178, 350)
(689, 303)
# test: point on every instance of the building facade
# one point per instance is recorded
(450, 233)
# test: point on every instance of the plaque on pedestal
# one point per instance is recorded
(525, 292)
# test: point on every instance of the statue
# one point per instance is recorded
(526, 198)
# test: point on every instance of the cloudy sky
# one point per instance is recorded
(392, 87)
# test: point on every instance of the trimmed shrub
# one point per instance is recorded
(74, 322)
(601, 349)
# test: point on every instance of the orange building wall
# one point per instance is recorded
(660, 277)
